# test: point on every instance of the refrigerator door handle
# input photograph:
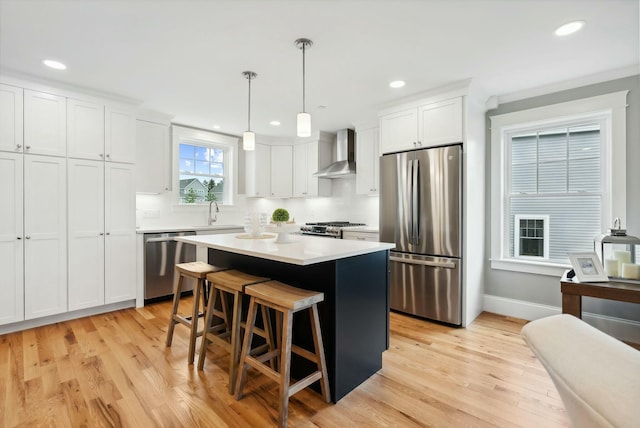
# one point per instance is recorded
(448, 265)
(416, 202)
(410, 183)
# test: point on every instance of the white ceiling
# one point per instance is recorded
(185, 57)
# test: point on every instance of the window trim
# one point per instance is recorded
(614, 179)
(181, 134)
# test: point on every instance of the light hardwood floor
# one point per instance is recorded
(114, 370)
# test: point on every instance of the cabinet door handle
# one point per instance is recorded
(101, 155)
(28, 147)
(101, 234)
(27, 237)
(18, 146)
(19, 238)
(108, 156)
(108, 233)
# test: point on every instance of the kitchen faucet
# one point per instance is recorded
(215, 216)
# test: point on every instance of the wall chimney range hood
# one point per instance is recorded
(345, 165)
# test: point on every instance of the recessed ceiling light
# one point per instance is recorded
(397, 84)
(569, 28)
(274, 123)
(216, 126)
(54, 64)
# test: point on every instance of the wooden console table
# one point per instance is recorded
(572, 293)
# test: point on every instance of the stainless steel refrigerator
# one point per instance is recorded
(421, 211)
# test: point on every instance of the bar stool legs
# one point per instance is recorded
(197, 271)
(286, 300)
(230, 283)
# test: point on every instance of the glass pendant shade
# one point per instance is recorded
(304, 124)
(249, 140)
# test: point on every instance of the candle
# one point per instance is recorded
(630, 271)
(611, 267)
(622, 257)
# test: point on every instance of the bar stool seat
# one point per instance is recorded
(223, 284)
(286, 300)
(198, 271)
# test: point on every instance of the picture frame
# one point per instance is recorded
(587, 267)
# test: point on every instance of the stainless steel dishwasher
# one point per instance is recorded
(161, 254)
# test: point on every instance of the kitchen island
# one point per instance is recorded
(354, 277)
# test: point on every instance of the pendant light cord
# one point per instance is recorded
(304, 45)
(249, 107)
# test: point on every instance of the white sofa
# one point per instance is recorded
(597, 376)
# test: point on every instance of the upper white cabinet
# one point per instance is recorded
(120, 233)
(153, 157)
(120, 135)
(85, 130)
(11, 238)
(45, 234)
(11, 114)
(440, 123)
(45, 124)
(367, 161)
(427, 125)
(399, 131)
(258, 171)
(281, 171)
(308, 158)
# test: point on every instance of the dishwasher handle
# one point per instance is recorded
(164, 239)
(448, 265)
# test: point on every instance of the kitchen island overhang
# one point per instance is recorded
(354, 277)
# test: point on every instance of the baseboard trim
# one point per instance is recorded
(619, 328)
(66, 316)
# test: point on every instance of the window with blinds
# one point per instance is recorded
(555, 184)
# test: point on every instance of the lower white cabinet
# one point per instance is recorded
(11, 238)
(45, 236)
(360, 235)
(86, 234)
(101, 233)
(120, 233)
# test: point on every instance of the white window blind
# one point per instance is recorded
(557, 173)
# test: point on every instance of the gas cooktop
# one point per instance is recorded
(331, 229)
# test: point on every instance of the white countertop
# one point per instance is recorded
(166, 229)
(302, 250)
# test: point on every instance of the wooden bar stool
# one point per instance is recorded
(223, 284)
(286, 300)
(198, 271)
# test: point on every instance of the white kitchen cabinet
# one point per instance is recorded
(85, 130)
(258, 171)
(427, 125)
(360, 235)
(153, 157)
(11, 117)
(281, 171)
(120, 233)
(399, 131)
(120, 134)
(308, 158)
(440, 123)
(367, 161)
(45, 234)
(86, 233)
(102, 259)
(11, 238)
(45, 124)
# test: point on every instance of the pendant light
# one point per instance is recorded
(304, 119)
(249, 137)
